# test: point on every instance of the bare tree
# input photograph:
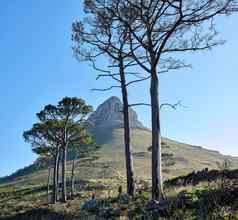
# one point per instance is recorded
(100, 36)
(158, 30)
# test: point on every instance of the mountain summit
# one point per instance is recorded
(109, 115)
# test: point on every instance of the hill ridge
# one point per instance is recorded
(109, 135)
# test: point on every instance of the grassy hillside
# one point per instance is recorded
(187, 157)
(111, 159)
(198, 195)
(26, 190)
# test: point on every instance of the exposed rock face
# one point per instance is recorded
(109, 115)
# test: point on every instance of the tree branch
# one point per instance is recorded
(106, 89)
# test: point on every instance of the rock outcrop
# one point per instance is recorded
(109, 115)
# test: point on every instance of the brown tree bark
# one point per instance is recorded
(73, 179)
(58, 173)
(127, 140)
(157, 183)
(64, 180)
(55, 189)
(48, 184)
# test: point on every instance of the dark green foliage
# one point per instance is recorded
(205, 175)
(60, 128)
(44, 137)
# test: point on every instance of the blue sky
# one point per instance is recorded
(37, 68)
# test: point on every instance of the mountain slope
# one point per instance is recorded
(108, 133)
(186, 157)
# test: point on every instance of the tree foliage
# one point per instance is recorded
(59, 128)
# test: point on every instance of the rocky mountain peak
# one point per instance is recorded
(109, 115)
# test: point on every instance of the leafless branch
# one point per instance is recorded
(139, 80)
(106, 89)
(173, 106)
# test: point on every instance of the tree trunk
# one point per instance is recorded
(48, 184)
(72, 179)
(55, 190)
(127, 141)
(58, 172)
(64, 180)
(157, 183)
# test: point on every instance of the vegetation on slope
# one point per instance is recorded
(110, 159)
(198, 195)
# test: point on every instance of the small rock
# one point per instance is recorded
(152, 205)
